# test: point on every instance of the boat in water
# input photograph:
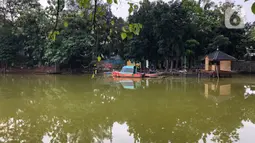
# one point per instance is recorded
(131, 72)
(128, 71)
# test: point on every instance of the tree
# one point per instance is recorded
(72, 46)
(73, 33)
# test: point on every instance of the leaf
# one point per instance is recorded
(253, 8)
(56, 32)
(109, 1)
(81, 14)
(123, 35)
(130, 3)
(84, 3)
(131, 9)
(116, 1)
(124, 29)
(130, 27)
(137, 30)
(140, 25)
(101, 13)
(99, 58)
(99, 9)
(135, 6)
(52, 35)
(112, 22)
(129, 35)
(91, 16)
(66, 24)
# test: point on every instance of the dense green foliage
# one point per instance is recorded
(170, 35)
(177, 30)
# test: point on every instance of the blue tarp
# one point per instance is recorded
(114, 62)
(127, 69)
(131, 67)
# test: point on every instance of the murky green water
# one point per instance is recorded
(77, 109)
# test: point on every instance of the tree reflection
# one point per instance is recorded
(77, 109)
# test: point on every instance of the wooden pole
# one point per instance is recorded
(217, 70)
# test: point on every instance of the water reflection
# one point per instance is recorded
(121, 83)
(244, 134)
(78, 109)
(217, 91)
(129, 83)
(120, 134)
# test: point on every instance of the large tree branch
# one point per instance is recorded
(94, 18)
(57, 15)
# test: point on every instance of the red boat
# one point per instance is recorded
(128, 71)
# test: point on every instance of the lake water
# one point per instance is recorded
(77, 109)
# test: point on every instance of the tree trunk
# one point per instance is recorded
(1, 66)
(167, 64)
(155, 65)
(185, 65)
(182, 61)
(5, 67)
(189, 62)
(192, 62)
(158, 66)
(177, 63)
(172, 64)
(55, 67)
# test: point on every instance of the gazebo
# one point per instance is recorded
(218, 60)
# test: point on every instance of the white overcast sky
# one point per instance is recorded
(121, 10)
